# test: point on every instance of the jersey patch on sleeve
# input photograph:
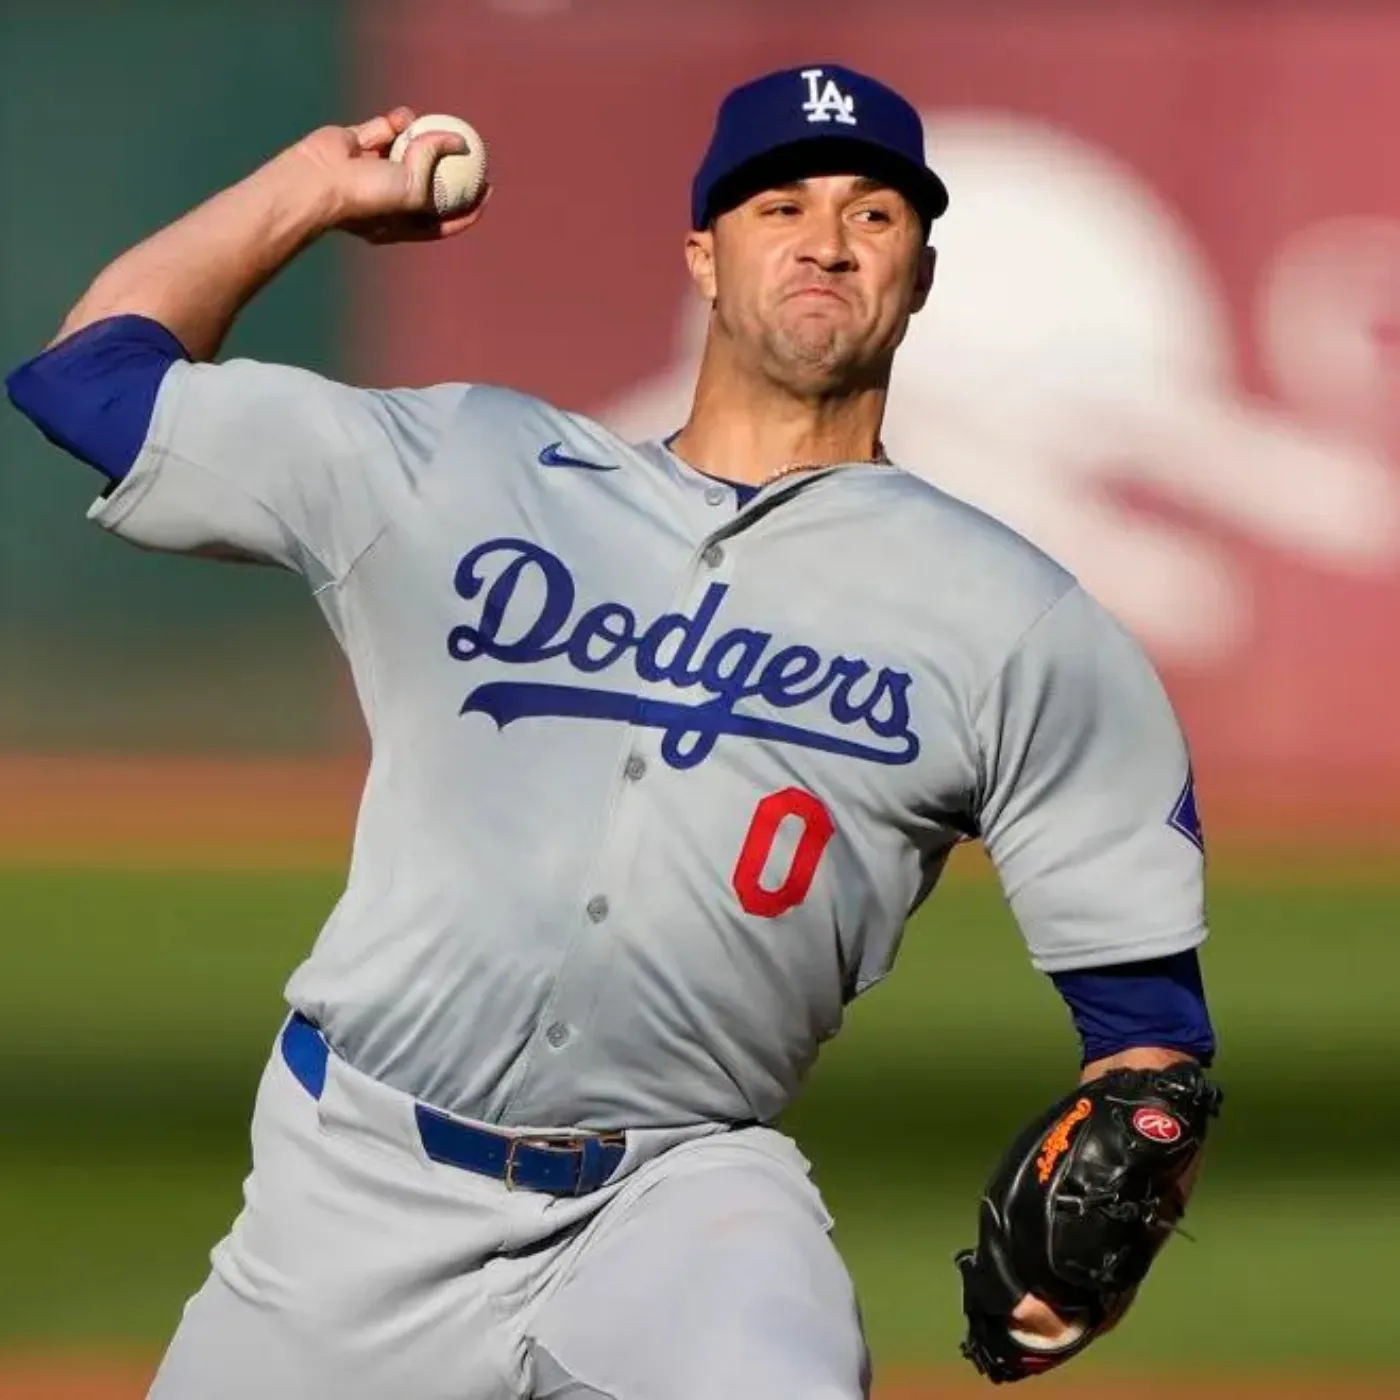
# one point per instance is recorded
(1185, 818)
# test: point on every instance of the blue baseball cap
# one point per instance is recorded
(821, 119)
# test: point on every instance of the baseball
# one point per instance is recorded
(458, 180)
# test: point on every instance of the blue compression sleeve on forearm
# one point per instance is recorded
(1160, 1002)
(94, 393)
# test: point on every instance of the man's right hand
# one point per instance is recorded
(377, 199)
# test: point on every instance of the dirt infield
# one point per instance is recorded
(40, 1379)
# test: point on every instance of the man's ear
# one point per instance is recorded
(700, 258)
(923, 280)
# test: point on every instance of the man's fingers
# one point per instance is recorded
(459, 223)
(420, 226)
(1033, 1318)
(397, 200)
(378, 133)
(423, 153)
(426, 227)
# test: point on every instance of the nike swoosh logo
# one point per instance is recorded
(553, 457)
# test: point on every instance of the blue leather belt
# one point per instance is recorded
(569, 1166)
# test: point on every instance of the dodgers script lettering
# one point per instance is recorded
(529, 614)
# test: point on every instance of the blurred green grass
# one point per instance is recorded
(136, 1011)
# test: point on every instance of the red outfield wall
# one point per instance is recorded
(1165, 342)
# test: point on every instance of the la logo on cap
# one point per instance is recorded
(827, 103)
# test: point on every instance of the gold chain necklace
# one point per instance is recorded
(879, 460)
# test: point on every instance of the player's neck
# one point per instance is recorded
(746, 430)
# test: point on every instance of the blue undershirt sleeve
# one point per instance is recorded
(1158, 1002)
(94, 393)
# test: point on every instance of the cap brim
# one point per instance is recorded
(829, 155)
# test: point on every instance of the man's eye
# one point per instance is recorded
(874, 216)
(782, 209)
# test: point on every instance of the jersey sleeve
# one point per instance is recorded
(275, 464)
(1087, 807)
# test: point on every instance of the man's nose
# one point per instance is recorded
(826, 241)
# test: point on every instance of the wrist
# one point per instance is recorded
(303, 200)
(1141, 1057)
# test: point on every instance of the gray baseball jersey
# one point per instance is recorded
(656, 780)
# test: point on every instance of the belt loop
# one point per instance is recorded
(587, 1167)
(590, 1167)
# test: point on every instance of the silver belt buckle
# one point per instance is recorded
(509, 1177)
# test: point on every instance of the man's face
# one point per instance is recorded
(813, 283)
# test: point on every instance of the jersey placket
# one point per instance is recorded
(561, 1037)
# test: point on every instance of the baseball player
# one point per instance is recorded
(668, 740)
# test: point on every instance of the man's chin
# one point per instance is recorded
(811, 355)
(814, 347)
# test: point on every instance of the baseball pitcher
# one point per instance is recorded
(668, 740)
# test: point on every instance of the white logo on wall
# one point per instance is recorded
(827, 103)
(1075, 367)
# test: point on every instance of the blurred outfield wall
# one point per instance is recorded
(115, 118)
(1164, 342)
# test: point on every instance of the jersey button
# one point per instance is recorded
(713, 556)
(558, 1034)
(635, 769)
(715, 495)
(598, 908)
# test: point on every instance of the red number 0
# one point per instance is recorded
(817, 829)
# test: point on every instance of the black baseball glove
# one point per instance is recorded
(1077, 1210)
